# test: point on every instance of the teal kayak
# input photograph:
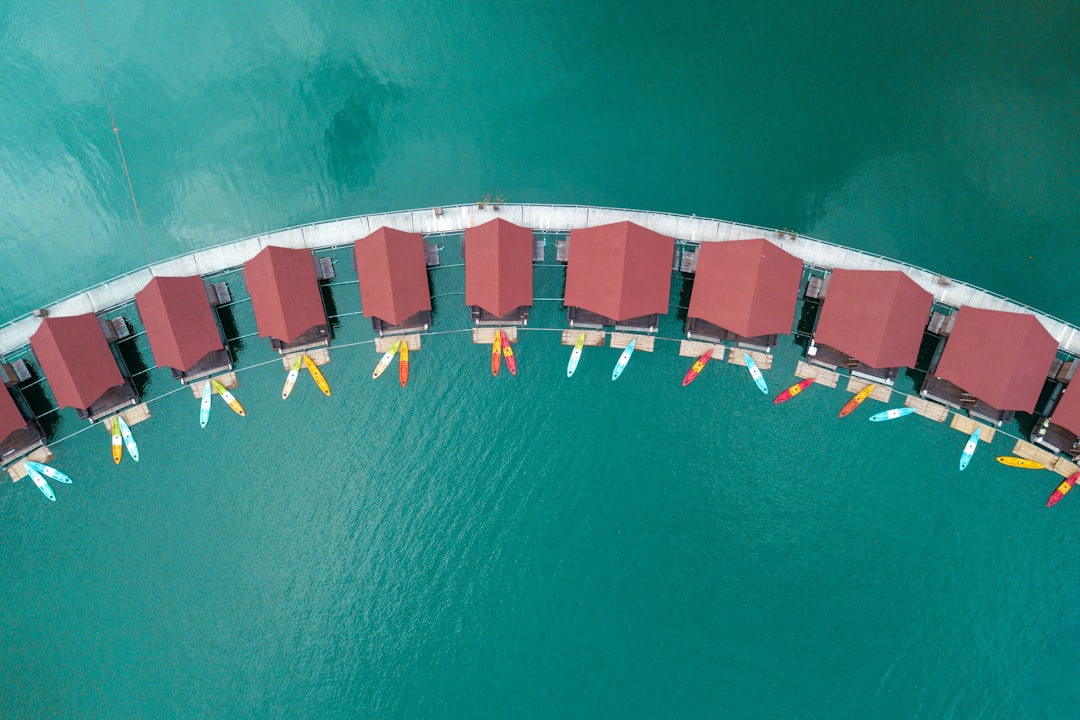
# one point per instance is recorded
(755, 373)
(891, 414)
(40, 482)
(204, 406)
(49, 472)
(623, 360)
(129, 439)
(969, 449)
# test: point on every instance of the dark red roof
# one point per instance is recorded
(875, 316)
(76, 359)
(1067, 412)
(619, 271)
(498, 266)
(179, 321)
(999, 357)
(749, 287)
(393, 275)
(10, 417)
(284, 292)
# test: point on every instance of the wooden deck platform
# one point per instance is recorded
(695, 348)
(320, 356)
(18, 471)
(928, 409)
(967, 426)
(229, 380)
(383, 344)
(762, 360)
(881, 393)
(486, 335)
(822, 376)
(644, 342)
(593, 338)
(1052, 462)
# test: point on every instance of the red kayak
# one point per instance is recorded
(696, 368)
(1063, 488)
(793, 391)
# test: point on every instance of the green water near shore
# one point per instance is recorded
(536, 546)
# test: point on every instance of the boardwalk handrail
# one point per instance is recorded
(121, 289)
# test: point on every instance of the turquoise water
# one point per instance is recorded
(535, 546)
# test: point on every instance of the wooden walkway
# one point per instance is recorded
(762, 360)
(881, 392)
(412, 341)
(1052, 462)
(486, 335)
(229, 380)
(320, 356)
(695, 348)
(18, 471)
(927, 408)
(644, 342)
(967, 426)
(593, 338)
(821, 375)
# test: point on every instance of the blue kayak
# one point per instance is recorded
(969, 449)
(48, 471)
(623, 360)
(129, 439)
(891, 414)
(755, 373)
(40, 482)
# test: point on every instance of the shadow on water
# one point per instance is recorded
(806, 323)
(41, 404)
(233, 341)
(330, 306)
(137, 368)
(685, 291)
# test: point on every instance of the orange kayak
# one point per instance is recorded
(508, 353)
(697, 367)
(793, 391)
(496, 354)
(857, 400)
(403, 364)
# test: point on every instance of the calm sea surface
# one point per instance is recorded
(535, 546)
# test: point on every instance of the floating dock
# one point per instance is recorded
(621, 340)
(967, 426)
(1049, 460)
(229, 380)
(593, 338)
(18, 471)
(822, 376)
(927, 408)
(696, 348)
(412, 340)
(881, 391)
(762, 360)
(319, 356)
(486, 335)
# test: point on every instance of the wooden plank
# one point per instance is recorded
(593, 338)
(538, 250)
(320, 356)
(927, 408)
(18, 471)
(762, 360)
(135, 415)
(1052, 462)
(821, 375)
(229, 380)
(644, 342)
(486, 335)
(695, 348)
(1064, 468)
(967, 426)
(383, 344)
(881, 391)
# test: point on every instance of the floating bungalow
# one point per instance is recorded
(287, 300)
(1060, 429)
(394, 290)
(871, 322)
(499, 272)
(84, 369)
(994, 364)
(745, 291)
(182, 327)
(20, 433)
(618, 274)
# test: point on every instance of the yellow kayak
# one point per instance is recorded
(496, 353)
(228, 397)
(403, 364)
(117, 442)
(1020, 463)
(291, 379)
(386, 358)
(317, 375)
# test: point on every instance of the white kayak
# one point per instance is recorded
(129, 439)
(204, 405)
(290, 381)
(891, 414)
(623, 360)
(48, 471)
(40, 482)
(969, 449)
(575, 356)
(755, 373)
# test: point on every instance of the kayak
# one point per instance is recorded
(1063, 488)
(228, 398)
(623, 360)
(793, 391)
(294, 372)
(508, 353)
(755, 373)
(49, 471)
(317, 376)
(117, 443)
(697, 367)
(129, 439)
(496, 354)
(575, 356)
(857, 400)
(403, 364)
(969, 449)
(891, 414)
(1020, 463)
(386, 358)
(204, 406)
(40, 482)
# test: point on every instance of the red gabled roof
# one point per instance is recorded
(1002, 358)
(498, 266)
(619, 271)
(1067, 412)
(76, 359)
(748, 287)
(393, 275)
(10, 417)
(875, 316)
(284, 292)
(179, 321)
